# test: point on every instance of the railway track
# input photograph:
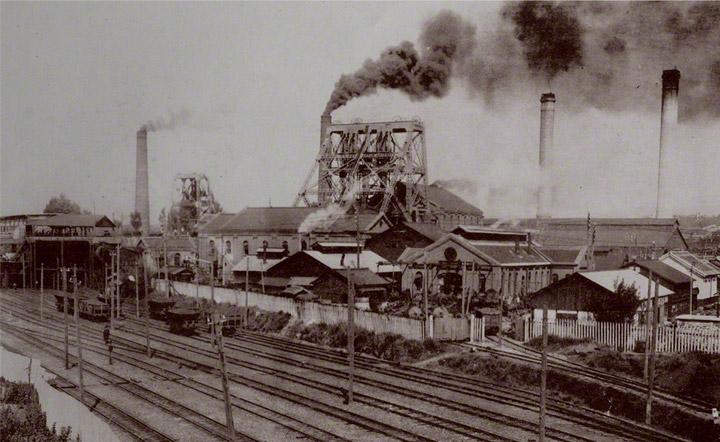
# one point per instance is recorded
(457, 383)
(349, 417)
(209, 426)
(530, 355)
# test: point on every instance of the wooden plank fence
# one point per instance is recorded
(624, 336)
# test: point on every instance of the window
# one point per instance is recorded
(303, 245)
(228, 247)
(246, 247)
(176, 259)
(418, 281)
(265, 244)
(555, 277)
(212, 248)
(482, 283)
(285, 246)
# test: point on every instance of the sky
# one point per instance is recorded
(77, 80)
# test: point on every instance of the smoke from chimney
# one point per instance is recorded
(169, 122)
(142, 198)
(668, 122)
(547, 122)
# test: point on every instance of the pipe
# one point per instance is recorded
(668, 121)
(142, 198)
(547, 122)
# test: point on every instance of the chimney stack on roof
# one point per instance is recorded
(547, 122)
(142, 197)
(668, 121)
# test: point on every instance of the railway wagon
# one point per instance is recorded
(94, 309)
(70, 302)
(228, 324)
(159, 307)
(182, 321)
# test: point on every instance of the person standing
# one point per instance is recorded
(106, 334)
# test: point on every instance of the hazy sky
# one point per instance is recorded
(79, 79)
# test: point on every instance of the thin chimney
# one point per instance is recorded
(529, 243)
(668, 121)
(323, 188)
(547, 122)
(142, 198)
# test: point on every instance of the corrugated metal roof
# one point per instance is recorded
(368, 259)
(408, 253)
(609, 278)
(431, 231)
(281, 219)
(507, 254)
(449, 202)
(662, 270)
(564, 255)
(73, 220)
(699, 265)
(361, 277)
(643, 234)
(216, 222)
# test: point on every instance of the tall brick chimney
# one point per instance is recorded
(668, 121)
(142, 198)
(325, 121)
(547, 122)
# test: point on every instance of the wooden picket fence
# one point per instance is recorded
(624, 336)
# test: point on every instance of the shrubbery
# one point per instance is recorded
(25, 421)
(382, 345)
(592, 394)
(555, 342)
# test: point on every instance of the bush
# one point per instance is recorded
(555, 342)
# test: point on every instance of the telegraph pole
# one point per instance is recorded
(147, 303)
(651, 372)
(117, 284)
(351, 337)
(543, 372)
(137, 293)
(692, 280)
(223, 370)
(425, 294)
(648, 309)
(42, 291)
(247, 279)
(79, 342)
(65, 318)
(111, 292)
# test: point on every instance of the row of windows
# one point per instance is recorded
(246, 246)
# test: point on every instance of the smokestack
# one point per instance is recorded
(323, 188)
(547, 121)
(668, 121)
(142, 198)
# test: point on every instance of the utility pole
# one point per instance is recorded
(111, 292)
(543, 372)
(165, 261)
(147, 303)
(351, 337)
(501, 295)
(137, 292)
(648, 309)
(426, 281)
(65, 318)
(692, 280)
(223, 370)
(79, 342)
(23, 273)
(117, 284)
(651, 372)
(42, 291)
(247, 281)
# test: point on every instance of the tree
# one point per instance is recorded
(136, 220)
(62, 204)
(617, 306)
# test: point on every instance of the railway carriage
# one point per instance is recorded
(159, 307)
(228, 324)
(182, 321)
(94, 309)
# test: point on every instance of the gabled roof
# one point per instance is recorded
(430, 231)
(700, 266)
(662, 270)
(608, 279)
(417, 255)
(215, 223)
(73, 220)
(364, 277)
(564, 254)
(408, 253)
(449, 202)
(337, 261)
(609, 232)
(507, 254)
(262, 219)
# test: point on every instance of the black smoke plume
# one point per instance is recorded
(169, 122)
(446, 40)
(551, 35)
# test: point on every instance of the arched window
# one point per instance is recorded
(176, 259)
(265, 244)
(285, 246)
(482, 282)
(418, 281)
(555, 277)
(212, 248)
(522, 285)
(246, 247)
(303, 245)
(228, 247)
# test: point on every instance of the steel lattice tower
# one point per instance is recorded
(380, 166)
(194, 194)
